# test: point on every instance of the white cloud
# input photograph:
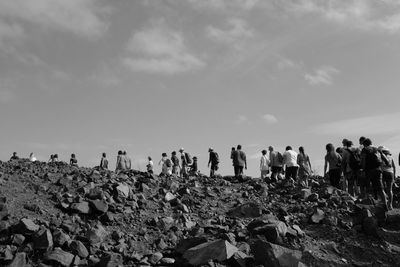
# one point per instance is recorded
(82, 17)
(359, 14)
(241, 119)
(321, 76)
(369, 125)
(238, 32)
(223, 5)
(160, 50)
(286, 63)
(270, 119)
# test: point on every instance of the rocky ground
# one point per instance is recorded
(56, 215)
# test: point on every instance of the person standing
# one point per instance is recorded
(121, 163)
(276, 162)
(14, 156)
(214, 161)
(73, 161)
(239, 161)
(128, 161)
(371, 163)
(185, 163)
(166, 165)
(290, 162)
(233, 152)
(175, 163)
(150, 165)
(104, 162)
(388, 175)
(333, 159)
(303, 160)
(350, 166)
(264, 164)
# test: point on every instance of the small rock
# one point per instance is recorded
(81, 207)
(96, 234)
(317, 216)
(78, 248)
(18, 239)
(43, 239)
(248, 210)
(60, 238)
(111, 260)
(268, 254)
(27, 227)
(155, 258)
(19, 260)
(167, 261)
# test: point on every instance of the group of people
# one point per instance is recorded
(359, 170)
(185, 166)
(296, 166)
(363, 169)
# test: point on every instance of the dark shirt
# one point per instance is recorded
(213, 158)
(175, 160)
(104, 163)
(14, 158)
(239, 158)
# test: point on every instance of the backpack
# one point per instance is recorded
(216, 158)
(373, 159)
(188, 158)
(280, 158)
(168, 163)
(354, 160)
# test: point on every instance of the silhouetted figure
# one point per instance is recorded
(239, 161)
(175, 163)
(213, 161)
(14, 156)
(104, 162)
(333, 159)
(290, 162)
(264, 164)
(73, 161)
(150, 165)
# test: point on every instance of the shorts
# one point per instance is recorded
(276, 169)
(388, 178)
(214, 167)
(375, 176)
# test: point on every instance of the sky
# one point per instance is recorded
(93, 76)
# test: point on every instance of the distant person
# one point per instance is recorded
(290, 163)
(194, 169)
(213, 160)
(305, 170)
(351, 164)
(333, 160)
(53, 158)
(186, 161)
(239, 161)
(232, 152)
(14, 156)
(32, 157)
(73, 161)
(128, 161)
(388, 174)
(121, 162)
(175, 163)
(371, 163)
(276, 162)
(166, 165)
(104, 162)
(150, 165)
(264, 164)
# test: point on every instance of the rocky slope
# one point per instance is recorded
(56, 215)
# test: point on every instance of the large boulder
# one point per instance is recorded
(271, 255)
(218, 250)
(248, 210)
(59, 256)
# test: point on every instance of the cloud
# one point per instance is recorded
(81, 17)
(223, 5)
(369, 125)
(359, 14)
(321, 76)
(270, 119)
(159, 49)
(286, 63)
(238, 32)
(241, 119)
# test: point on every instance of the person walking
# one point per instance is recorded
(388, 175)
(276, 162)
(333, 161)
(166, 165)
(371, 163)
(213, 161)
(239, 161)
(186, 161)
(104, 162)
(150, 165)
(121, 163)
(351, 165)
(175, 163)
(290, 162)
(303, 160)
(73, 161)
(264, 164)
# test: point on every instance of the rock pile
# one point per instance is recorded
(57, 215)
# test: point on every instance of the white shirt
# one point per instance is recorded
(264, 163)
(290, 158)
